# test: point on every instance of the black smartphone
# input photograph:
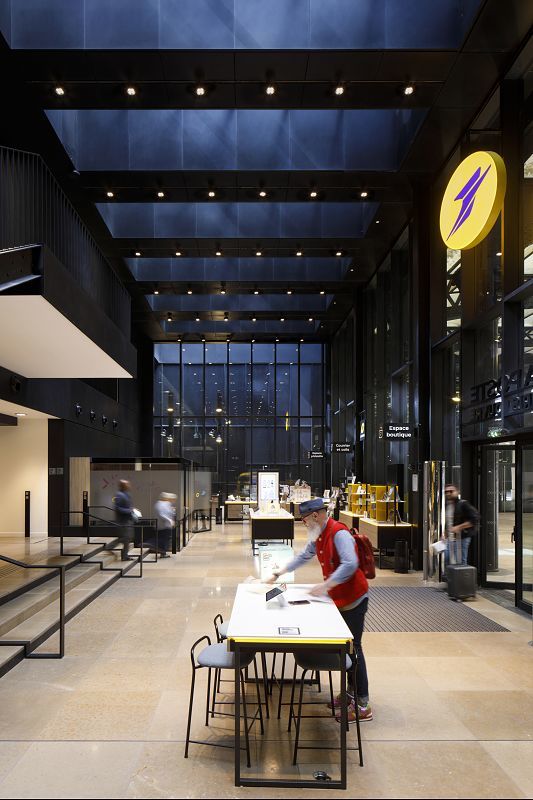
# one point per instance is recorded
(298, 602)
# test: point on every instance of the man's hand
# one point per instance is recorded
(272, 579)
(318, 590)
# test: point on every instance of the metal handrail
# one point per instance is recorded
(60, 569)
(85, 514)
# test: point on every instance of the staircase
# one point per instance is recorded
(29, 599)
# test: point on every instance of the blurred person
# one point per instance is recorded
(461, 525)
(123, 505)
(344, 582)
(166, 519)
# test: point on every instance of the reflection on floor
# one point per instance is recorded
(453, 712)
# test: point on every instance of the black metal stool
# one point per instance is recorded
(328, 662)
(217, 657)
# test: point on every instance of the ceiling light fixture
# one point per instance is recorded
(262, 193)
(364, 193)
(338, 253)
(498, 253)
(408, 89)
(259, 253)
(270, 89)
(189, 290)
(254, 319)
(218, 253)
(110, 194)
(256, 290)
(282, 319)
(211, 193)
(137, 253)
(160, 194)
(311, 319)
(299, 253)
(20, 414)
(313, 193)
(289, 291)
(322, 291)
(131, 91)
(178, 253)
(223, 289)
(169, 317)
(197, 319)
(59, 91)
(339, 90)
(301, 340)
(156, 291)
(377, 222)
(200, 91)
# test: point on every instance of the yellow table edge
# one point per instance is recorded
(285, 640)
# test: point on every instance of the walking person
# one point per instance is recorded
(123, 506)
(166, 520)
(461, 525)
(344, 582)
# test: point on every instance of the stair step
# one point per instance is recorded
(42, 624)
(25, 605)
(10, 655)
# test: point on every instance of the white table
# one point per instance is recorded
(258, 626)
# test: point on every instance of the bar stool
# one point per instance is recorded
(329, 662)
(221, 632)
(217, 657)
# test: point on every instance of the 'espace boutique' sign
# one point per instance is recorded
(516, 390)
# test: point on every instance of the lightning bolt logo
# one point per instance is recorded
(468, 196)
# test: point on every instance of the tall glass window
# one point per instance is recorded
(239, 407)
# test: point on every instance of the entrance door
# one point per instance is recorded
(497, 511)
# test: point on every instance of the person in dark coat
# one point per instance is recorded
(123, 506)
(461, 525)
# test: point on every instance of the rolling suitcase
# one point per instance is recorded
(462, 579)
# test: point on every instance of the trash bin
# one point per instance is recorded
(401, 556)
(218, 515)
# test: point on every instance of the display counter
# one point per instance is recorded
(293, 507)
(229, 505)
(384, 535)
(269, 527)
(349, 518)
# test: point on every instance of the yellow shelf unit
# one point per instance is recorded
(357, 497)
(369, 500)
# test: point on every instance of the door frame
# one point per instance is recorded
(482, 550)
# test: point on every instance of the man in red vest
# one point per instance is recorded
(345, 583)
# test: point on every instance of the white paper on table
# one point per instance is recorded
(302, 594)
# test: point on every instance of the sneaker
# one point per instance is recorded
(337, 700)
(365, 714)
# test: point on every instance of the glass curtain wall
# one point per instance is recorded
(241, 407)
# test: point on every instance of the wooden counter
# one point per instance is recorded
(384, 535)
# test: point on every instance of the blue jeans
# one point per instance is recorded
(461, 555)
(355, 620)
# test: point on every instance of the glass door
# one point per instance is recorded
(525, 541)
(497, 516)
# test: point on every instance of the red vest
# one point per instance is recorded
(355, 587)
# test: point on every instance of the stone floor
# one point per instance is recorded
(453, 713)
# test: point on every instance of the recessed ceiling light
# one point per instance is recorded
(277, 340)
(203, 340)
(189, 291)
(256, 291)
(310, 319)
(200, 91)
(289, 291)
(228, 340)
(408, 89)
(211, 193)
(339, 90)
(20, 414)
(59, 91)
(498, 254)
(137, 253)
(110, 194)
(377, 222)
(322, 291)
(197, 319)
(178, 253)
(313, 193)
(253, 341)
(299, 253)
(262, 193)
(259, 253)
(270, 89)
(156, 291)
(364, 193)
(282, 319)
(226, 319)
(254, 319)
(169, 317)
(218, 253)
(338, 253)
(131, 91)
(351, 269)
(160, 194)
(222, 291)
(301, 340)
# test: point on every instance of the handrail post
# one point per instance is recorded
(61, 611)
(85, 506)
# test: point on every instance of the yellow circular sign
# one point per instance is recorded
(472, 200)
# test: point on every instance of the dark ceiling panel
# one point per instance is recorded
(270, 66)
(405, 65)
(347, 65)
